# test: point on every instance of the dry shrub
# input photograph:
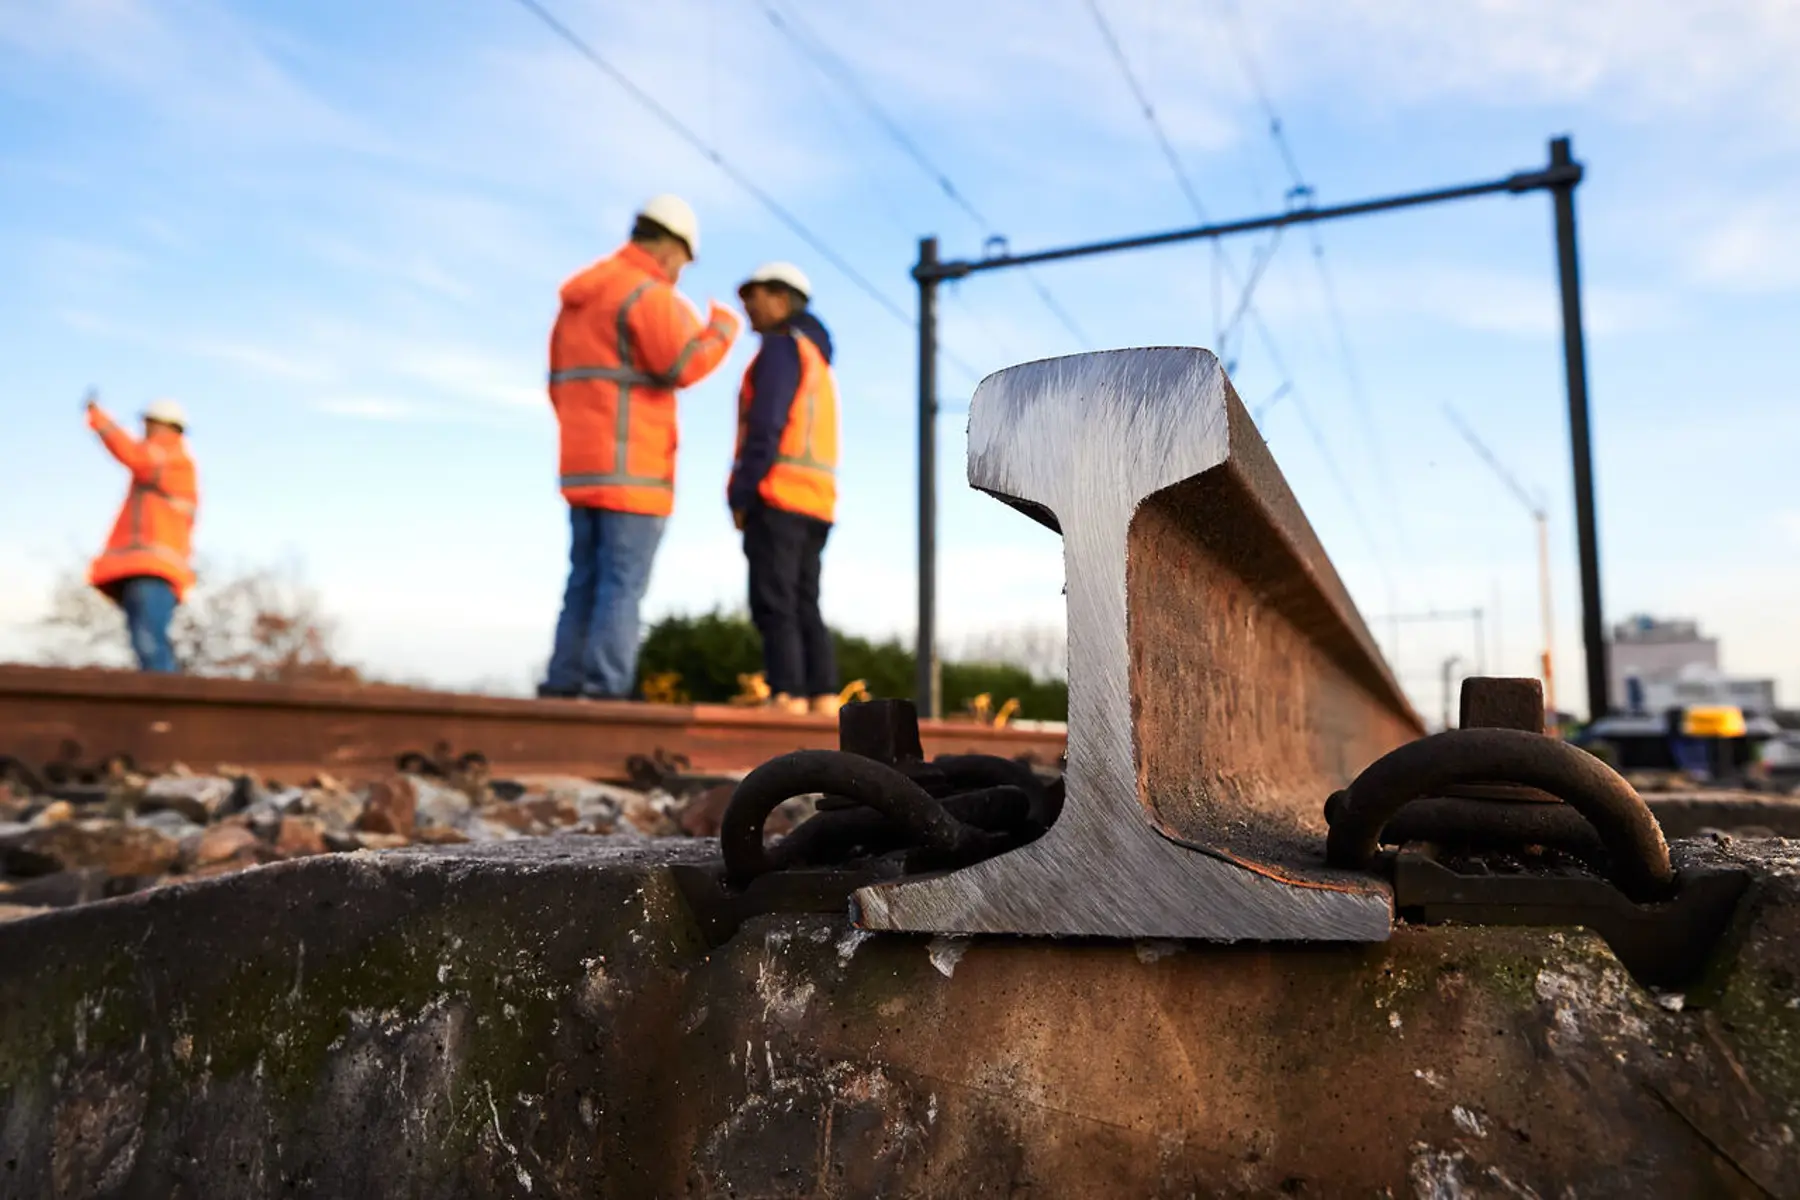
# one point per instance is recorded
(262, 623)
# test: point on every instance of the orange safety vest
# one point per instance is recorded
(153, 534)
(624, 341)
(803, 477)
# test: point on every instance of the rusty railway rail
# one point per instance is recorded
(285, 731)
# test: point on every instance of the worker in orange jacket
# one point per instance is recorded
(624, 342)
(783, 487)
(145, 568)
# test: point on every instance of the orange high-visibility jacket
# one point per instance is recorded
(803, 477)
(624, 341)
(153, 535)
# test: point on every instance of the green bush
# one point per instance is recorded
(710, 651)
(1039, 699)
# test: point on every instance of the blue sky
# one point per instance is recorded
(335, 232)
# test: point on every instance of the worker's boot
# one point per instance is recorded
(826, 705)
(793, 706)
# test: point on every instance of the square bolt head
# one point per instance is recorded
(884, 730)
(1494, 703)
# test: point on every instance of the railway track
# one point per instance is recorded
(286, 731)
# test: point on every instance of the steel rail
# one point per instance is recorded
(287, 731)
(1221, 681)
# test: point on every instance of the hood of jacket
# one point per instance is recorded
(584, 285)
(813, 330)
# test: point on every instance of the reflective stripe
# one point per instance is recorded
(622, 427)
(180, 504)
(810, 463)
(135, 504)
(714, 329)
(163, 552)
(806, 458)
(626, 377)
(615, 479)
(608, 374)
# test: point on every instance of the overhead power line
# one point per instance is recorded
(1223, 330)
(1148, 109)
(833, 66)
(1533, 505)
(1303, 191)
(731, 171)
(1290, 389)
(1246, 304)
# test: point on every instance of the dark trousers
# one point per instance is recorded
(784, 549)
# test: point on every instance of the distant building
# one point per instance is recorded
(1658, 665)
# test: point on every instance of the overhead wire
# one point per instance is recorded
(883, 200)
(774, 207)
(1291, 389)
(1169, 154)
(1303, 191)
(1149, 110)
(1246, 304)
(833, 66)
(1223, 330)
(1533, 504)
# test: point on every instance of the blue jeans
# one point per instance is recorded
(597, 635)
(149, 605)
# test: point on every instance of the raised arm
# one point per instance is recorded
(136, 455)
(673, 344)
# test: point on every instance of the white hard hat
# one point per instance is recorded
(780, 272)
(677, 216)
(166, 411)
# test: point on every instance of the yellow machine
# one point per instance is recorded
(1713, 721)
(1712, 742)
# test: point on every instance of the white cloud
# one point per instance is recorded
(328, 351)
(415, 268)
(472, 374)
(1019, 63)
(252, 357)
(80, 265)
(203, 71)
(1478, 298)
(1787, 525)
(368, 408)
(1755, 249)
(1642, 61)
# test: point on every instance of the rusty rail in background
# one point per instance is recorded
(286, 731)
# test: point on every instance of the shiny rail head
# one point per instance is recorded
(1221, 683)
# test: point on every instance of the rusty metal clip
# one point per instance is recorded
(1486, 797)
(1663, 944)
(883, 812)
(1639, 856)
(936, 836)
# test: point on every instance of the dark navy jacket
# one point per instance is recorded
(774, 378)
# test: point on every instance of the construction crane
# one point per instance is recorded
(1536, 508)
